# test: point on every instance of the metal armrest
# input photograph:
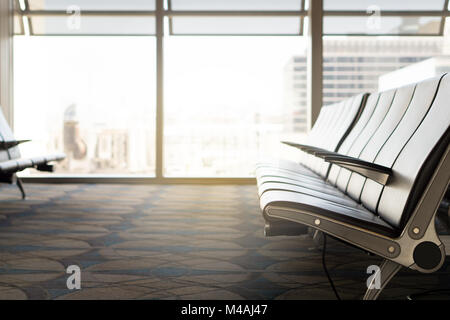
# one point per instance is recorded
(45, 167)
(304, 147)
(369, 170)
(4, 145)
(324, 153)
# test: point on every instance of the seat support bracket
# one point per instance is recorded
(381, 277)
(20, 186)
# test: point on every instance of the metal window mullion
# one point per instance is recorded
(387, 13)
(184, 13)
(444, 11)
(19, 13)
(169, 8)
(22, 25)
(315, 60)
(170, 13)
(94, 13)
(159, 87)
(26, 15)
(233, 13)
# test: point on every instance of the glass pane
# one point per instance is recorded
(363, 5)
(357, 64)
(91, 97)
(94, 5)
(226, 103)
(421, 59)
(236, 25)
(381, 25)
(252, 5)
(89, 25)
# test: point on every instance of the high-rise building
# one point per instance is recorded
(415, 72)
(112, 149)
(295, 95)
(352, 65)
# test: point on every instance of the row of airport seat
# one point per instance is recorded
(11, 161)
(372, 173)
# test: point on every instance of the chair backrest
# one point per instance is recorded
(384, 103)
(6, 134)
(355, 109)
(335, 112)
(368, 110)
(408, 132)
(386, 128)
(322, 128)
(413, 152)
(332, 126)
(386, 155)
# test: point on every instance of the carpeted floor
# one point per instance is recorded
(169, 242)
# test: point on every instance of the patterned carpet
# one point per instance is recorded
(169, 242)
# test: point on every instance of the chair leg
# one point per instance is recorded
(20, 186)
(384, 274)
(446, 241)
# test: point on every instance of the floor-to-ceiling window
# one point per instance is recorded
(91, 97)
(227, 85)
(196, 88)
(227, 103)
(89, 69)
(85, 84)
(367, 43)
